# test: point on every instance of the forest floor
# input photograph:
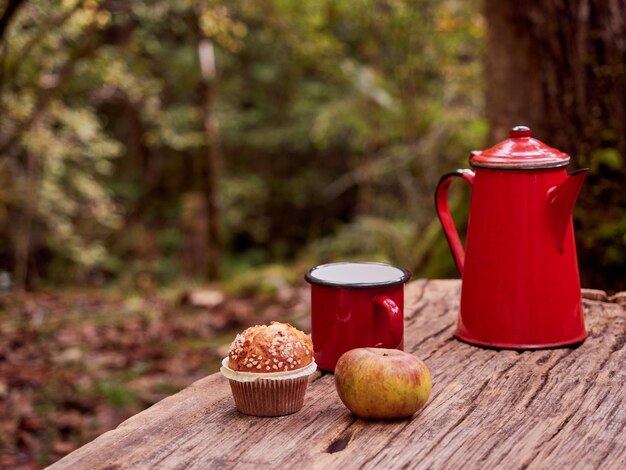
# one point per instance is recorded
(74, 364)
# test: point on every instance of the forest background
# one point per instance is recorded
(169, 169)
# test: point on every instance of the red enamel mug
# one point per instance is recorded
(355, 305)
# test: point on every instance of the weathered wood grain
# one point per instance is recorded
(563, 408)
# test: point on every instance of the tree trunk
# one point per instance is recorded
(558, 67)
(23, 234)
(211, 183)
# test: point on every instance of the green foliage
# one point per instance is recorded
(262, 283)
(54, 143)
(377, 100)
(117, 395)
(608, 157)
(367, 239)
(336, 119)
(601, 233)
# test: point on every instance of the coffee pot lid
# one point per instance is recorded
(519, 152)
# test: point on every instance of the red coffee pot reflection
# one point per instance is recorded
(521, 287)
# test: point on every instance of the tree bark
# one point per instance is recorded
(558, 67)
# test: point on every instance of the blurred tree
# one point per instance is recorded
(44, 137)
(559, 68)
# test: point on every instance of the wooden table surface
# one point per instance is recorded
(562, 408)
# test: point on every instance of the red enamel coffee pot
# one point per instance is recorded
(520, 282)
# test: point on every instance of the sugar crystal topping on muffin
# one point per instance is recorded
(275, 348)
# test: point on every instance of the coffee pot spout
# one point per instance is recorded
(560, 201)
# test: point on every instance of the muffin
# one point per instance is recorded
(268, 368)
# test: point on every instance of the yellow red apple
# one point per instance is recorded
(382, 383)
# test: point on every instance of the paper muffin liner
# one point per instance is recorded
(269, 394)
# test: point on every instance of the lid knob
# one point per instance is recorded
(520, 131)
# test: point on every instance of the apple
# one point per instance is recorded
(382, 383)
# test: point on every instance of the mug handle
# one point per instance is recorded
(395, 321)
(441, 204)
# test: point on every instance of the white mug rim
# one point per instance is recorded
(311, 279)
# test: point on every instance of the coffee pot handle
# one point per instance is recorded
(443, 211)
(395, 320)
